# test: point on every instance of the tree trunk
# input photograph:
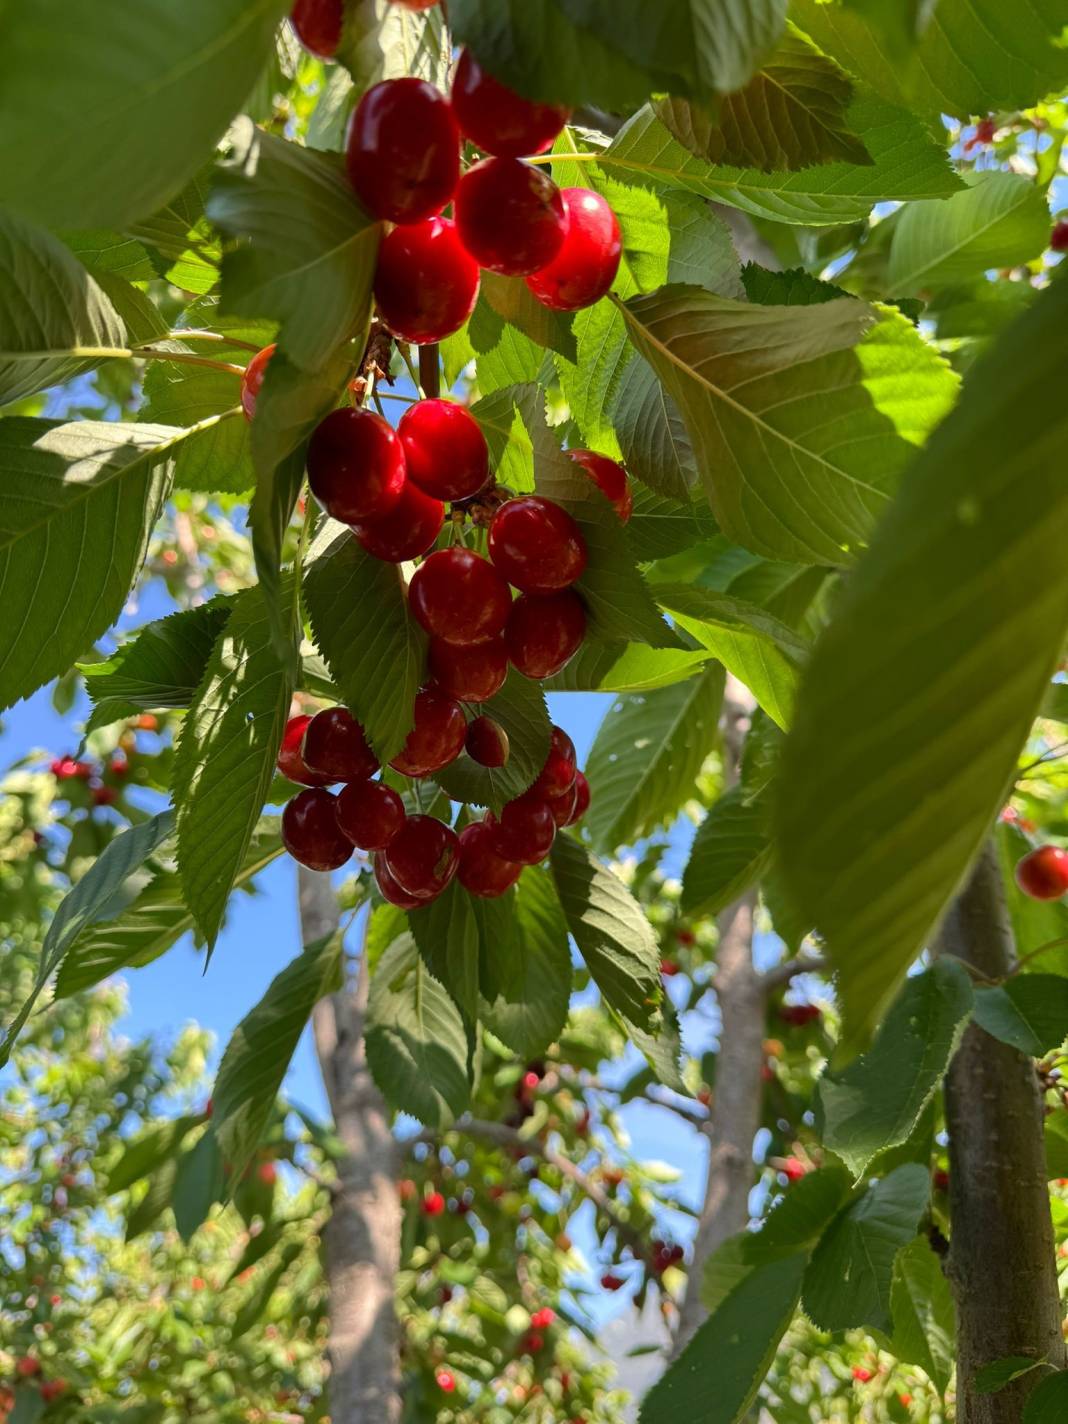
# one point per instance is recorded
(1001, 1258)
(362, 1239)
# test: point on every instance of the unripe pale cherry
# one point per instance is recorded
(445, 449)
(458, 596)
(423, 856)
(498, 120)
(392, 893)
(426, 283)
(525, 830)
(544, 633)
(318, 25)
(487, 742)
(290, 761)
(403, 150)
(370, 814)
(252, 380)
(585, 267)
(1043, 873)
(536, 545)
(557, 776)
(436, 739)
(510, 216)
(482, 871)
(405, 531)
(310, 831)
(356, 465)
(610, 477)
(334, 745)
(473, 673)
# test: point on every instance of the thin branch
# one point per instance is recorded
(142, 353)
(182, 335)
(780, 974)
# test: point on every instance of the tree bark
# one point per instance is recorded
(1001, 1260)
(362, 1238)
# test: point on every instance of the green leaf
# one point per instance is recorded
(626, 667)
(447, 935)
(1030, 1012)
(90, 98)
(877, 1101)
(153, 922)
(647, 756)
(375, 650)
(790, 115)
(513, 304)
(305, 254)
(1056, 1135)
(49, 308)
(198, 1184)
(729, 854)
(792, 288)
(525, 939)
(520, 709)
(1048, 1401)
(415, 1039)
(995, 1376)
(181, 240)
(801, 418)
(101, 894)
(652, 434)
(77, 505)
(255, 1307)
(257, 1056)
(717, 1376)
(999, 220)
(921, 1303)
(225, 758)
(847, 1283)
(143, 1153)
(660, 527)
(906, 164)
(381, 40)
(964, 575)
(162, 665)
(613, 936)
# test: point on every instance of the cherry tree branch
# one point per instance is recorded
(780, 974)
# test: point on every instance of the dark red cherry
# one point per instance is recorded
(496, 119)
(470, 674)
(487, 742)
(423, 856)
(544, 634)
(290, 761)
(610, 477)
(510, 216)
(536, 545)
(1058, 238)
(403, 150)
(563, 807)
(415, 4)
(252, 380)
(482, 871)
(426, 284)
(525, 830)
(437, 737)
(558, 774)
(445, 449)
(370, 814)
(1043, 873)
(355, 465)
(335, 746)
(407, 530)
(586, 265)
(391, 891)
(318, 25)
(310, 831)
(582, 798)
(460, 597)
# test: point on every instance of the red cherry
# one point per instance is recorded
(586, 265)
(794, 1169)
(369, 813)
(415, 5)
(487, 742)
(685, 936)
(582, 799)
(1043, 873)
(544, 634)
(444, 1378)
(68, 769)
(525, 830)
(423, 856)
(28, 1366)
(609, 1282)
(445, 448)
(1058, 238)
(391, 891)
(536, 544)
(941, 1180)
(403, 150)
(563, 807)
(533, 1343)
(542, 1319)
(310, 831)
(862, 1375)
(510, 216)
(433, 1204)
(104, 795)
(119, 766)
(334, 745)
(668, 968)
(267, 1173)
(459, 597)
(470, 674)
(406, 531)
(497, 120)
(318, 25)
(355, 465)
(437, 737)
(252, 380)
(290, 761)
(558, 774)
(482, 871)
(426, 284)
(610, 478)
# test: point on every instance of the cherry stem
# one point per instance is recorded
(566, 157)
(148, 353)
(430, 370)
(388, 395)
(221, 337)
(412, 372)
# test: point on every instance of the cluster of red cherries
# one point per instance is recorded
(416, 857)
